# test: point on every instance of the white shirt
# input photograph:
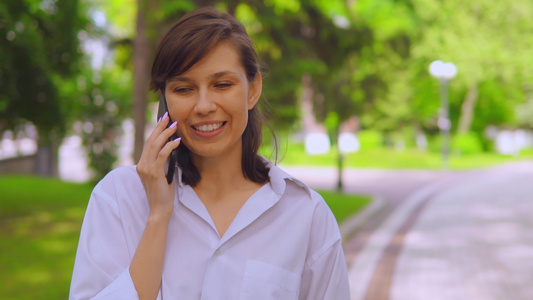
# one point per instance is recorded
(283, 244)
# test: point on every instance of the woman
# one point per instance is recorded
(231, 225)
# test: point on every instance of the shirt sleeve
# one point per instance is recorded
(101, 268)
(325, 274)
(326, 278)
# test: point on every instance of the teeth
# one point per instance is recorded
(208, 128)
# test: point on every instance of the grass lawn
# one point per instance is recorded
(383, 158)
(343, 205)
(40, 220)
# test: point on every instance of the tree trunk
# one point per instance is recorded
(232, 7)
(141, 55)
(340, 169)
(335, 134)
(467, 109)
(46, 159)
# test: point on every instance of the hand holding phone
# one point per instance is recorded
(156, 167)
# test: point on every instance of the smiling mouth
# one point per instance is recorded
(209, 127)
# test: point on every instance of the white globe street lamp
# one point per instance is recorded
(317, 143)
(348, 143)
(444, 72)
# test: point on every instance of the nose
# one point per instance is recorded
(204, 104)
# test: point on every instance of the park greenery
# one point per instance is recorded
(39, 229)
(390, 158)
(81, 66)
(366, 59)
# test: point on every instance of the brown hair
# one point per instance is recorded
(185, 44)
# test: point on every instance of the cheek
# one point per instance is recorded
(243, 119)
(178, 111)
(181, 129)
(240, 107)
(177, 115)
(240, 114)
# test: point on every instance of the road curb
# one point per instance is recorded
(350, 226)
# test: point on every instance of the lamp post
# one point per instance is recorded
(444, 72)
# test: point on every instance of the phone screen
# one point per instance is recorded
(172, 159)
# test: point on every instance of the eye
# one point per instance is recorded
(182, 90)
(223, 85)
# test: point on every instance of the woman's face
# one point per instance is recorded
(211, 101)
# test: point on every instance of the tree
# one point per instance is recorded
(141, 55)
(486, 42)
(104, 103)
(39, 50)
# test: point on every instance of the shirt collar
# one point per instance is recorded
(278, 179)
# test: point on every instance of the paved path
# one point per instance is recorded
(394, 185)
(388, 187)
(455, 236)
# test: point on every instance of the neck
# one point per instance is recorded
(219, 174)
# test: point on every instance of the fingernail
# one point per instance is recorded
(177, 140)
(165, 115)
(159, 120)
(173, 124)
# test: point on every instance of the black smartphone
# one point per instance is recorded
(170, 167)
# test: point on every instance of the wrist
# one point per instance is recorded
(159, 218)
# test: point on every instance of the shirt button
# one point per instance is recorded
(217, 252)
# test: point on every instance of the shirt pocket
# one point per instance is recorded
(265, 281)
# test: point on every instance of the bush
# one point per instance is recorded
(369, 139)
(466, 144)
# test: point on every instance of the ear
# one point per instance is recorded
(256, 87)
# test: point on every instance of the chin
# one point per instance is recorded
(215, 150)
(206, 152)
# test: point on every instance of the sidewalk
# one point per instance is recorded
(464, 237)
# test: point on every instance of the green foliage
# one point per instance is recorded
(103, 105)
(120, 14)
(389, 158)
(524, 113)
(486, 42)
(492, 95)
(466, 144)
(168, 9)
(374, 64)
(38, 48)
(369, 139)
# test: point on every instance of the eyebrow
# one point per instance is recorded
(212, 76)
(220, 74)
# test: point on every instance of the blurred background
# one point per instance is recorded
(347, 84)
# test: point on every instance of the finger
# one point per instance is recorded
(165, 152)
(160, 127)
(163, 122)
(160, 140)
(148, 149)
